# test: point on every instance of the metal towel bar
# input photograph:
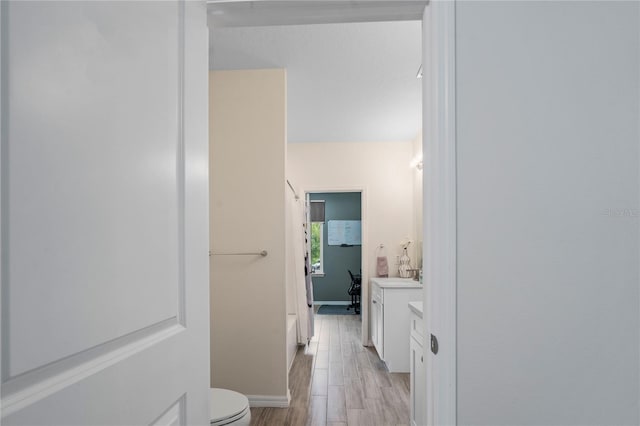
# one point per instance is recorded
(262, 253)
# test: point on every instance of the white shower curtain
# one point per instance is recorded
(299, 294)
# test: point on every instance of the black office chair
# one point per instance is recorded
(354, 291)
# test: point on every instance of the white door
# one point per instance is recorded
(104, 213)
(439, 211)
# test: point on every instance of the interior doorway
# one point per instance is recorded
(317, 17)
(337, 104)
(335, 246)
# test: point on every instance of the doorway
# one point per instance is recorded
(335, 247)
(329, 169)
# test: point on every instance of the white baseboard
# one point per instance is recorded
(332, 302)
(268, 401)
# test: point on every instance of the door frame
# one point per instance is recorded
(440, 209)
(439, 185)
(364, 262)
(3, 177)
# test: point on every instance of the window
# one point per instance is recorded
(317, 233)
(316, 208)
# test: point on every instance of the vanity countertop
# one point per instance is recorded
(416, 307)
(396, 282)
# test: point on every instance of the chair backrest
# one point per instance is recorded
(355, 279)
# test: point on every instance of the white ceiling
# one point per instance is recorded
(346, 82)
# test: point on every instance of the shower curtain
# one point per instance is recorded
(298, 283)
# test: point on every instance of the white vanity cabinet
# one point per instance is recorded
(417, 365)
(376, 319)
(390, 319)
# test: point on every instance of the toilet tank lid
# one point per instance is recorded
(226, 403)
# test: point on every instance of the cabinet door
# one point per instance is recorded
(374, 323)
(417, 383)
(380, 332)
(376, 326)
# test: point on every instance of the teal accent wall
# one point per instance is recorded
(338, 260)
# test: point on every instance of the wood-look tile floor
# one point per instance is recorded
(335, 381)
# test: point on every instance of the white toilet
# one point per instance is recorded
(228, 408)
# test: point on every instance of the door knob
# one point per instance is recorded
(434, 344)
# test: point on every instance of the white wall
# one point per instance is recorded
(247, 164)
(547, 149)
(417, 199)
(383, 170)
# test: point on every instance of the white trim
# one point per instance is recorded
(174, 415)
(269, 401)
(3, 183)
(42, 388)
(440, 209)
(332, 302)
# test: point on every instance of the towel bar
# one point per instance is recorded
(262, 253)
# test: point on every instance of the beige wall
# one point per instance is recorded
(247, 164)
(383, 170)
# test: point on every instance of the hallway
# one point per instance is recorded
(336, 381)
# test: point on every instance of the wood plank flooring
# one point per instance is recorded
(335, 381)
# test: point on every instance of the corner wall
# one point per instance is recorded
(383, 170)
(247, 164)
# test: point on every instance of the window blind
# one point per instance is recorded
(316, 211)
